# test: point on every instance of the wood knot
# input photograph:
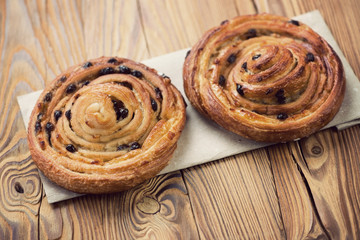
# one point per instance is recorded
(18, 188)
(148, 205)
(316, 150)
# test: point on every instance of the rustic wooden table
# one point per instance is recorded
(304, 189)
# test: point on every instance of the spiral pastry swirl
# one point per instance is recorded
(106, 125)
(265, 77)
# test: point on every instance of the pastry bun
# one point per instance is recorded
(265, 77)
(105, 125)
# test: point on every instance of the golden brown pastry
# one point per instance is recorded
(105, 125)
(265, 77)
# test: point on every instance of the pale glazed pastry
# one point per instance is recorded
(105, 125)
(265, 77)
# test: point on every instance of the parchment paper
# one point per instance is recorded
(203, 141)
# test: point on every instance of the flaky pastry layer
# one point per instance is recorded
(265, 77)
(105, 125)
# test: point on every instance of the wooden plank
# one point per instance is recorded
(299, 216)
(235, 197)
(22, 71)
(331, 168)
(73, 32)
(174, 25)
(215, 201)
(327, 162)
(157, 209)
(244, 203)
(298, 213)
(41, 42)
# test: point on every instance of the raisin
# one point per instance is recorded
(37, 126)
(294, 22)
(42, 145)
(280, 93)
(239, 89)
(244, 66)
(49, 127)
(39, 116)
(124, 69)
(282, 116)
(86, 83)
(158, 93)
(251, 33)
(107, 70)
(57, 115)
(68, 114)
(154, 105)
(119, 109)
(280, 96)
(71, 88)
(122, 147)
(71, 148)
(256, 56)
(222, 80)
(48, 97)
(137, 74)
(126, 84)
(112, 60)
(309, 57)
(135, 145)
(87, 65)
(63, 79)
(232, 58)
(117, 103)
(123, 113)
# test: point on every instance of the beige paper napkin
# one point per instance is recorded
(203, 141)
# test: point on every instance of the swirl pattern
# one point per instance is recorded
(106, 125)
(265, 77)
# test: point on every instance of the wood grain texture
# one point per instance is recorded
(320, 165)
(157, 209)
(52, 36)
(182, 26)
(332, 174)
(235, 198)
(297, 210)
(109, 28)
(303, 190)
(74, 32)
(22, 69)
(246, 196)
